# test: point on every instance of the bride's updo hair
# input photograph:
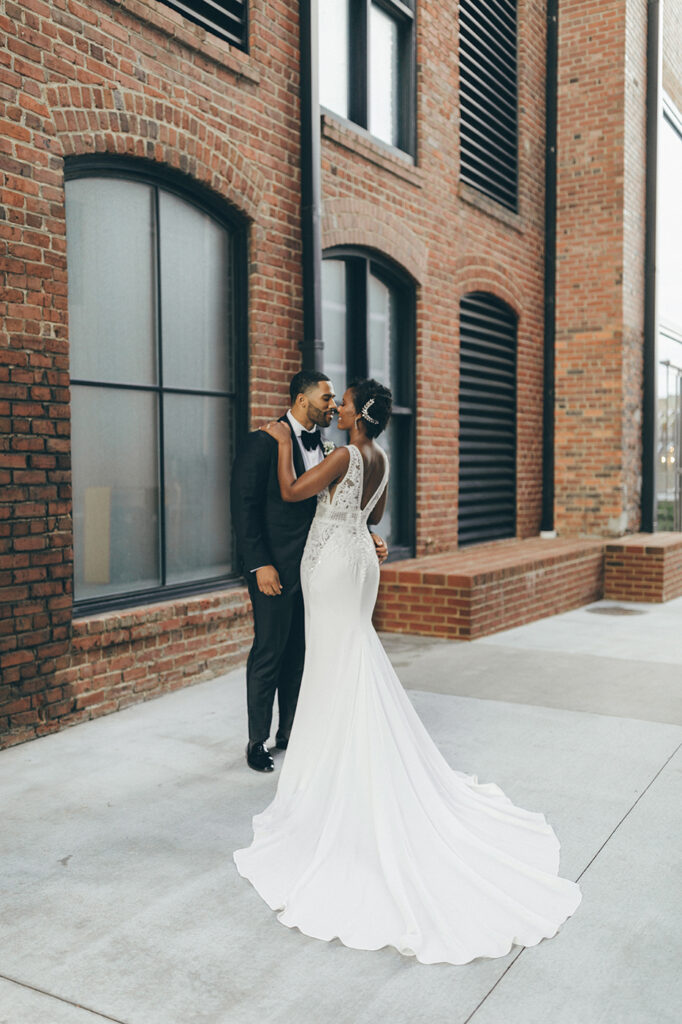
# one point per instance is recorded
(376, 399)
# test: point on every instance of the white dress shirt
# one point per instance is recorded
(310, 458)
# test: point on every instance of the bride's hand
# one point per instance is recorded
(279, 431)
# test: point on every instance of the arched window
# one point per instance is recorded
(488, 96)
(487, 419)
(368, 313)
(154, 304)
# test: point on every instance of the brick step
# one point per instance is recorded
(477, 591)
(643, 567)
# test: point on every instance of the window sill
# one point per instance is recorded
(191, 36)
(143, 603)
(358, 140)
(487, 205)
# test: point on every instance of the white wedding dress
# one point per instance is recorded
(372, 837)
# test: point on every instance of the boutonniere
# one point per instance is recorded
(327, 448)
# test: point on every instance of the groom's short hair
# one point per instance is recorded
(303, 381)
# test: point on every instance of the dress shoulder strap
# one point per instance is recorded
(380, 489)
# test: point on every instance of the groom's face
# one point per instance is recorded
(320, 403)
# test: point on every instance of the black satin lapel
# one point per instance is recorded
(295, 447)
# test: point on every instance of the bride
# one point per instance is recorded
(371, 836)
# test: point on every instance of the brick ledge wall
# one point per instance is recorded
(643, 567)
(122, 658)
(474, 592)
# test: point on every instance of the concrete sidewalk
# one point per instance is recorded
(119, 900)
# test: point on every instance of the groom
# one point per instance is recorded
(271, 535)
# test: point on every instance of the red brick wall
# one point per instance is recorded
(600, 242)
(121, 78)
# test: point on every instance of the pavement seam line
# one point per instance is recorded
(588, 865)
(630, 810)
(61, 999)
(491, 990)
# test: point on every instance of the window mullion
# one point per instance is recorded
(358, 61)
(356, 317)
(160, 409)
(406, 85)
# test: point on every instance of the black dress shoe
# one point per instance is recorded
(281, 743)
(258, 758)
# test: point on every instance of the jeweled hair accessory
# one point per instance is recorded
(365, 411)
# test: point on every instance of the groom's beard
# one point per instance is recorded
(320, 418)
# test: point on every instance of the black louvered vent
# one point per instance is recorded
(487, 419)
(488, 97)
(224, 18)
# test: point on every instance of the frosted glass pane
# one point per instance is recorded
(383, 76)
(115, 485)
(198, 455)
(334, 317)
(110, 254)
(333, 40)
(380, 331)
(195, 298)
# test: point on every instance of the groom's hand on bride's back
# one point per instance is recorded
(268, 581)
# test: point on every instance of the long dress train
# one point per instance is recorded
(372, 837)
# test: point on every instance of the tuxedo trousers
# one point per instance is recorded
(275, 662)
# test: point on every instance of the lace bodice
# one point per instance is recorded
(340, 518)
(347, 497)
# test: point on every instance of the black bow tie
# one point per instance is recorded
(310, 439)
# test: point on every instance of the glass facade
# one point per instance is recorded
(669, 381)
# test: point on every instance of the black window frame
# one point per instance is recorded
(489, 99)
(404, 14)
(185, 188)
(221, 18)
(359, 264)
(488, 402)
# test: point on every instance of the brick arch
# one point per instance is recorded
(135, 125)
(359, 222)
(483, 274)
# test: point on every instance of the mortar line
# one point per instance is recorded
(590, 862)
(61, 999)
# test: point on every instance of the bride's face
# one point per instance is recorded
(346, 410)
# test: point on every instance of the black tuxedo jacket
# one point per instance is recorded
(269, 531)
